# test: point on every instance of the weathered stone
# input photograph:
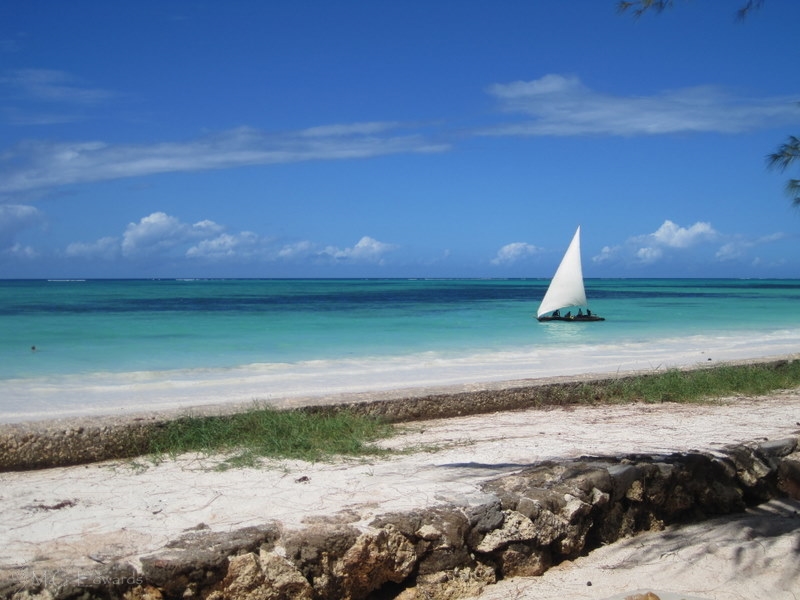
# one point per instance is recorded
(586, 477)
(428, 532)
(622, 477)
(406, 523)
(143, 592)
(315, 549)
(284, 579)
(789, 475)
(373, 560)
(635, 492)
(521, 560)
(645, 596)
(483, 519)
(778, 448)
(548, 527)
(200, 558)
(575, 509)
(244, 579)
(529, 507)
(516, 528)
(450, 585)
(599, 498)
(440, 539)
(264, 577)
(750, 469)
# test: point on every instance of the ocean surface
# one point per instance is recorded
(121, 344)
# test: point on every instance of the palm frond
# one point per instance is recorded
(639, 7)
(793, 190)
(786, 154)
(742, 13)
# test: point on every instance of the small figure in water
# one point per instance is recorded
(33, 348)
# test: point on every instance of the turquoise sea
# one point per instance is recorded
(171, 329)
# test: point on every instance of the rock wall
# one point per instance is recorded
(526, 523)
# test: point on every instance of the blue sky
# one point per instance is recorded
(450, 138)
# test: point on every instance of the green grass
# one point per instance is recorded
(266, 432)
(318, 435)
(698, 385)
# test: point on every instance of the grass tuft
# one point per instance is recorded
(266, 432)
(697, 385)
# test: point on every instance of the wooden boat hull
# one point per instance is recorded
(572, 319)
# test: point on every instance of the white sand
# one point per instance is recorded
(125, 509)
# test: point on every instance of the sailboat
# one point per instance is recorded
(566, 289)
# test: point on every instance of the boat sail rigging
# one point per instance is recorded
(566, 288)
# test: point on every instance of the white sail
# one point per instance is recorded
(566, 288)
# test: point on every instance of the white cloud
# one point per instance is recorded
(296, 250)
(606, 254)
(15, 218)
(160, 234)
(159, 231)
(245, 244)
(106, 248)
(53, 86)
(738, 247)
(46, 97)
(349, 129)
(513, 252)
(674, 236)
(662, 244)
(559, 105)
(649, 255)
(699, 243)
(670, 235)
(366, 250)
(35, 165)
(19, 251)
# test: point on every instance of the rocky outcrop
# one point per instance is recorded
(524, 524)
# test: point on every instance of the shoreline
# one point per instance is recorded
(51, 443)
(128, 393)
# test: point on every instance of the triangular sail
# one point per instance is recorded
(566, 288)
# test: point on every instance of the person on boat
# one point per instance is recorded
(588, 313)
(556, 313)
(580, 312)
(568, 315)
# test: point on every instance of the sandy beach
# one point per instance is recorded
(123, 510)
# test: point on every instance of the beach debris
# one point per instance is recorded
(56, 506)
